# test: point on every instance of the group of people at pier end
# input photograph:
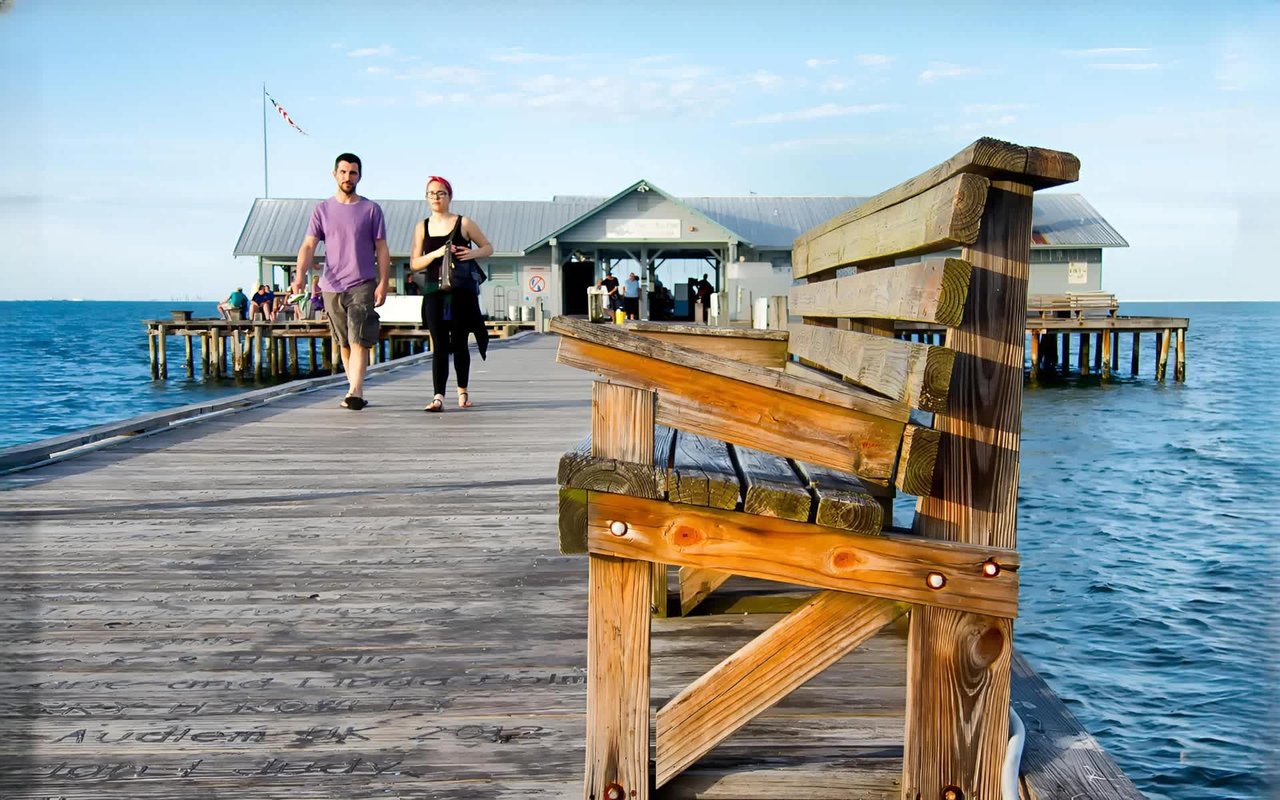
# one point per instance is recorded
(355, 278)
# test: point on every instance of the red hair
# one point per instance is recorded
(437, 179)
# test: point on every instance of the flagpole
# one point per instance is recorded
(266, 192)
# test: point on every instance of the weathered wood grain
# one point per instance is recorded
(765, 418)
(843, 500)
(917, 375)
(939, 218)
(958, 664)
(1031, 166)
(763, 348)
(580, 469)
(931, 291)
(917, 464)
(702, 473)
(892, 567)
(771, 487)
(756, 677)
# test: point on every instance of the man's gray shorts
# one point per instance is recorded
(352, 317)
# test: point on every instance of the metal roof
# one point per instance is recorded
(276, 227)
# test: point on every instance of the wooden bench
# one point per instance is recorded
(1073, 304)
(711, 452)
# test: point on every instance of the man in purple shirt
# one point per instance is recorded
(355, 237)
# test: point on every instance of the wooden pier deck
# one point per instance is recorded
(298, 601)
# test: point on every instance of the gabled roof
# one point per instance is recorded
(275, 227)
(601, 206)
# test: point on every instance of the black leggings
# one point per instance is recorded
(447, 336)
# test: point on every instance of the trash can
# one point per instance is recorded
(597, 311)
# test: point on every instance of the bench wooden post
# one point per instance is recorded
(958, 663)
(617, 768)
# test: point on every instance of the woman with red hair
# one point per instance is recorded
(450, 314)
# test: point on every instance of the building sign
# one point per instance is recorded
(537, 280)
(1077, 272)
(642, 229)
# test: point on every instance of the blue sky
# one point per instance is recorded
(133, 130)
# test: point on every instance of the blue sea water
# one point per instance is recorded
(1146, 524)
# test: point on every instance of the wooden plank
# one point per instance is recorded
(930, 291)
(580, 469)
(764, 348)
(618, 606)
(1031, 166)
(1059, 758)
(702, 473)
(939, 218)
(696, 585)
(958, 663)
(917, 375)
(917, 466)
(817, 388)
(771, 487)
(892, 567)
(843, 500)
(572, 521)
(755, 678)
(765, 418)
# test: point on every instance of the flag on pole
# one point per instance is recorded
(285, 114)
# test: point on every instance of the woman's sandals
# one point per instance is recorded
(436, 405)
(464, 400)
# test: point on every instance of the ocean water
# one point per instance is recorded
(1146, 524)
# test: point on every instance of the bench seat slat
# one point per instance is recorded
(772, 488)
(701, 473)
(843, 501)
(579, 469)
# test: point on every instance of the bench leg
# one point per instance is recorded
(617, 680)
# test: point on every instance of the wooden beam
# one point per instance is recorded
(843, 501)
(697, 585)
(917, 375)
(702, 474)
(1030, 166)
(917, 466)
(618, 606)
(771, 487)
(958, 663)
(818, 388)
(762, 348)
(573, 521)
(940, 218)
(580, 469)
(752, 680)
(767, 418)
(931, 291)
(893, 567)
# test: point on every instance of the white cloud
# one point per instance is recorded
(380, 102)
(765, 80)
(848, 143)
(518, 55)
(377, 70)
(428, 99)
(993, 108)
(1133, 67)
(461, 75)
(945, 70)
(837, 84)
(366, 52)
(815, 63)
(875, 60)
(817, 112)
(1241, 67)
(976, 126)
(1096, 52)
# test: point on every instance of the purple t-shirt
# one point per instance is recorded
(348, 231)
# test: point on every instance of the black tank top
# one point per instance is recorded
(429, 243)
